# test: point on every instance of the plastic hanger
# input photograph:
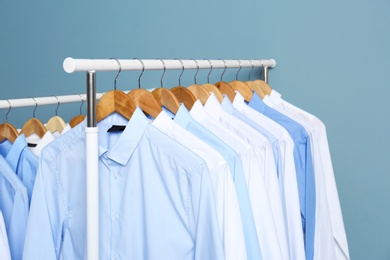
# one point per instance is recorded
(242, 87)
(8, 131)
(56, 123)
(224, 87)
(165, 97)
(33, 126)
(212, 88)
(199, 92)
(182, 94)
(114, 101)
(79, 118)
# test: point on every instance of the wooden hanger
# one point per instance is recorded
(9, 132)
(55, 124)
(76, 120)
(226, 89)
(33, 126)
(263, 86)
(114, 101)
(256, 88)
(184, 96)
(166, 98)
(243, 88)
(215, 90)
(145, 100)
(199, 92)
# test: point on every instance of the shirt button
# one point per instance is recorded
(116, 256)
(116, 216)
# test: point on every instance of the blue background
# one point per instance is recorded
(332, 60)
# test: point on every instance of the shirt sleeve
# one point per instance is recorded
(208, 242)
(43, 228)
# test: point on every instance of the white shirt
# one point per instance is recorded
(261, 208)
(228, 211)
(287, 177)
(324, 172)
(4, 246)
(41, 143)
(266, 158)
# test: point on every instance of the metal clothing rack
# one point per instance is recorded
(91, 66)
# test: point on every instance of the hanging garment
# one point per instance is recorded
(22, 161)
(262, 213)
(304, 169)
(14, 206)
(156, 197)
(265, 158)
(39, 143)
(184, 119)
(4, 246)
(225, 197)
(323, 165)
(287, 178)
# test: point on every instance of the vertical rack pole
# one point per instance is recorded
(265, 71)
(92, 171)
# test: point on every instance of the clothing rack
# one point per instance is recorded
(91, 66)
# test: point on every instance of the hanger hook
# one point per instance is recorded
(211, 69)
(119, 71)
(253, 67)
(239, 69)
(140, 75)
(58, 105)
(36, 105)
(162, 76)
(224, 62)
(82, 102)
(182, 65)
(262, 64)
(197, 65)
(9, 109)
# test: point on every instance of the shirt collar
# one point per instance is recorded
(213, 107)
(197, 111)
(275, 95)
(239, 101)
(257, 102)
(268, 101)
(163, 121)
(227, 105)
(16, 151)
(124, 147)
(183, 116)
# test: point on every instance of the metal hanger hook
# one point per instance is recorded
(58, 105)
(162, 76)
(224, 62)
(119, 72)
(211, 69)
(142, 72)
(196, 74)
(36, 105)
(239, 69)
(9, 109)
(253, 67)
(260, 71)
(182, 71)
(82, 102)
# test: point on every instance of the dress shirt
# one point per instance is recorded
(261, 208)
(184, 119)
(304, 169)
(40, 143)
(226, 203)
(4, 246)
(14, 206)
(156, 198)
(229, 108)
(323, 164)
(287, 177)
(264, 156)
(66, 128)
(21, 160)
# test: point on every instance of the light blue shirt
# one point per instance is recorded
(21, 160)
(304, 169)
(184, 119)
(228, 107)
(14, 205)
(156, 198)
